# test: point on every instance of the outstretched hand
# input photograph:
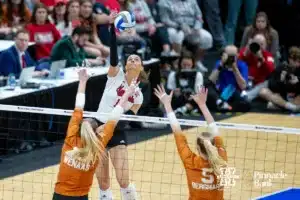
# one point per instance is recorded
(129, 92)
(162, 95)
(201, 96)
(83, 75)
(133, 87)
(113, 15)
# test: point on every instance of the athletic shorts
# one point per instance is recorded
(62, 197)
(119, 137)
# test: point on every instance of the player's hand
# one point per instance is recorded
(201, 96)
(113, 15)
(83, 75)
(132, 88)
(162, 95)
(129, 92)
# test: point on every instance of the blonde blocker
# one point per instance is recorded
(92, 148)
(215, 160)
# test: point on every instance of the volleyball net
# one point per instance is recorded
(261, 159)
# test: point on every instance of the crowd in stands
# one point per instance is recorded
(264, 64)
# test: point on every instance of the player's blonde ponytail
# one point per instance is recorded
(92, 149)
(215, 160)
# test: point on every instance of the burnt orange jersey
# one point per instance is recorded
(74, 177)
(202, 182)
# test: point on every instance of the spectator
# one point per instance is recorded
(147, 28)
(72, 12)
(48, 3)
(61, 20)
(184, 19)
(15, 58)
(212, 16)
(102, 17)
(124, 5)
(42, 32)
(184, 82)
(73, 48)
(262, 25)
(234, 7)
(112, 5)
(260, 63)
(284, 84)
(15, 16)
(228, 81)
(94, 46)
(4, 30)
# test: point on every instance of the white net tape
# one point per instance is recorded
(185, 122)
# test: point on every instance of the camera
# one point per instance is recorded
(289, 72)
(230, 60)
(254, 47)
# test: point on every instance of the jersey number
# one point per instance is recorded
(208, 177)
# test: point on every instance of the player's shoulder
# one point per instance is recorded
(117, 79)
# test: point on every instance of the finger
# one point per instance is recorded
(159, 88)
(156, 91)
(156, 95)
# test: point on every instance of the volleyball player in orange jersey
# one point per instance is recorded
(201, 170)
(84, 146)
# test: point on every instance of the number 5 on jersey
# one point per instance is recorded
(207, 176)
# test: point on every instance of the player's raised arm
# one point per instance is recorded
(200, 98)
(212, 129)
(166, 101)
(114, 60)
(77, 115)
(182, 146)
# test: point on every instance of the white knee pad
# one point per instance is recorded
(129, 193)
(106, 194)
(206, 39)
(175, 36)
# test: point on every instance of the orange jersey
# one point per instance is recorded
(202, 182)
(74, 177)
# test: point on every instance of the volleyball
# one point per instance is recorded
(124, 21)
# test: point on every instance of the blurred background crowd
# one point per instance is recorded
(244, 51)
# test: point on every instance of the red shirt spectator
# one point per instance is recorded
(42, 32)
(258, 70)
(44, 37)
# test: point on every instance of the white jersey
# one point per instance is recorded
(114, 89)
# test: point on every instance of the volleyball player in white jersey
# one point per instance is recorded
(117, 82)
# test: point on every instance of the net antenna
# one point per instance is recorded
(159, 120)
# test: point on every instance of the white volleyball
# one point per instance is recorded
(124, 21)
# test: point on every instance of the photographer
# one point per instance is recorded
(260, 63)
(227, 81)
(284, 84)
(184, 82)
